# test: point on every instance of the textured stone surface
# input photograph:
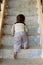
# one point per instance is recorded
(21, 3)
(27, 53)
(31, 20)
(27, 12)
(22, 62)
(24, 7)
(9, 40)
(33, 46)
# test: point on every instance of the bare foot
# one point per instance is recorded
(27, 47)
(15, 55)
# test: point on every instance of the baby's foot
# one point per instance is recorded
(15, 55)
(27, 47)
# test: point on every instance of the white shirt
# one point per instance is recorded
(18, 27)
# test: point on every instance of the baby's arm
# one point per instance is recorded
(13, 29)
(26, 29)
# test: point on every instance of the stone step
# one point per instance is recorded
(23, 0)
(27, 53)
(30, 21)
(21, 3)
(9, 40)
(33, 30)
(23, 9)
(33, 46)
(22, 61)
(29, 12)
(23, 6)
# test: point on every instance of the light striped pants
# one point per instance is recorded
(20, 40)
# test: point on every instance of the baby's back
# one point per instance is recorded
(19, 27)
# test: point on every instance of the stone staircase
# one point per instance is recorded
(30, 10)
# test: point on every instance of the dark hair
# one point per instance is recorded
(20, 18)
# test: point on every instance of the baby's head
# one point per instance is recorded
(20, 18)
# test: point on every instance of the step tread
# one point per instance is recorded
(27, 53)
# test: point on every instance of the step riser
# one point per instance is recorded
(33, 30)
(9, 40)
(26, 13)
(30, 53)
(32, 20)
(16, 6)
(22, 1)
(23, 9)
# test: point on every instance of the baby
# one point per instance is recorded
(21, 34)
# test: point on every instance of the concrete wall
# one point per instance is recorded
(40, 15)
(41, 23)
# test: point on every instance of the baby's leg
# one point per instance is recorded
(16, 49)
(25, 41)
(17, 45)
